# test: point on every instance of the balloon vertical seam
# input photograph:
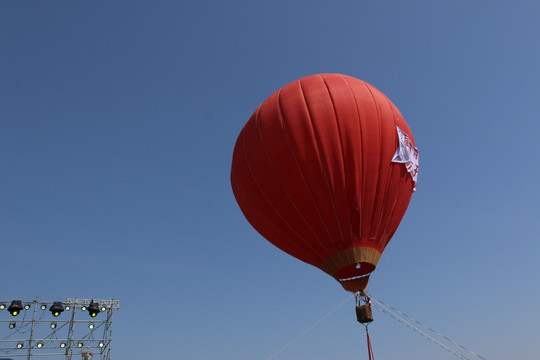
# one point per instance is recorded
(282, 119)
(276, 175)
(374, 196)
(260, 190)
(361, 158)
(342, 161)
(314, 138)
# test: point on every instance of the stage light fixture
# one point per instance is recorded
(83, 308)
(80, 345)
(67, 307)
(12, 325)
(53, 325)
(93, 308)
(20, 345)
(15, 307)
(27, 306)
(91, 326)
(39, 345)
(43, 307)
(2, 306)
(103, 308)
(101, 344)
(62, 345)
(56, 308)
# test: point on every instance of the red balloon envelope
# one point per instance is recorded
(324, 169)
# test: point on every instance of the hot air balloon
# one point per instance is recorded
(324, 169)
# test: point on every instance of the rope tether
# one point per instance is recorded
(370, 349)
(393, 313)
(309, 328)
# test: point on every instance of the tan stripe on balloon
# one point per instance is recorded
(350, 256)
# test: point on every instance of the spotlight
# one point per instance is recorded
(43, 306)
(80, 345)
(15, 307)
(68, 307)
(56, 308)
(93, 308)
(90, 326)
(101, 344)
(39, 345)
(53, 325)
(20, 345)
(103, 308)
(83, 308)
(27, 306)
(2, 306)
(63, 345)
(12, 325)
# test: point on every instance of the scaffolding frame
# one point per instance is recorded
(80, 334)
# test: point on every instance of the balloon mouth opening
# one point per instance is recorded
(353, 278)
(354, 271)
(355, 284)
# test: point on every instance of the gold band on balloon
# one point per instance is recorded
(350, 256)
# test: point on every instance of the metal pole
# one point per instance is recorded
(108, 328)
(70, 333)
(32, 329)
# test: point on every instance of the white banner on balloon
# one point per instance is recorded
(407, 154)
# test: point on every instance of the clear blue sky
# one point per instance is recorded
(117, 125)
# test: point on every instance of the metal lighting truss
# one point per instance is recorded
(35, 331)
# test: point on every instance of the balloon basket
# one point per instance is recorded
(364, 314)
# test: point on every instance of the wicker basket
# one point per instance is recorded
(364, 314)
